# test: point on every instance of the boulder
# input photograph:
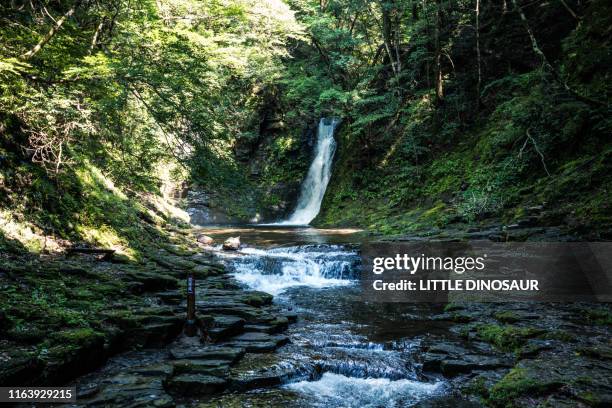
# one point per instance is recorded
(205, 239)
(232, 244)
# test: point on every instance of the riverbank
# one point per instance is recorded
(67, 317)
(123, 340)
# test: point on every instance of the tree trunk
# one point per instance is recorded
(548, 66)
(438, 47)
(54, 29)
(478, 56)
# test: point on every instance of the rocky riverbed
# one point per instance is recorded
(114, 329)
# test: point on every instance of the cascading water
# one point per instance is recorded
(319, 173)
(277, 269)
(337, 354)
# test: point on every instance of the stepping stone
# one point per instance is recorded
(259, 328)
(255, 342)
(195, 384)
(291, 317)
(227, 353)
(217, 368)
(225, 326)
(257, 371)
(153, 370)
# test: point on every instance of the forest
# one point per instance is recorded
(456, 119)
(452, 112)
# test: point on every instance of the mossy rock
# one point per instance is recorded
(78, 337)
(519, 384)
(29, 333)
(171, 261)
(119, 258)
(507, 317)
(258, 299)
(453, 307)
(507, 338)
(179, 250)
(19, 367)
(202, 271)
(153, 281)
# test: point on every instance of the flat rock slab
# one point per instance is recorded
(216, 368)
(154, 370)
(195, 384)
(129, 390)
(227, 353)
(256, 342)
(267, 370)
(225, 326)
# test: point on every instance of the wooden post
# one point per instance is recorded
(190, 326)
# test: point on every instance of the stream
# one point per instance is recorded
(343, 352)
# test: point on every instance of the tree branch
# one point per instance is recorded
(54, 29)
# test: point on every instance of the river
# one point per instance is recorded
(343, 352)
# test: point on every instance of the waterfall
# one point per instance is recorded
(319, 173)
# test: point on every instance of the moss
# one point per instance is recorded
(80, 336)
(591, 399)
(560, 335)
(518, 384)
(507, 317)
(507, 338)
(476, 386)
(452, 307)
(461, 318)
(601, 316)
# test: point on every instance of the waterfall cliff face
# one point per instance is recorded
(319, 173)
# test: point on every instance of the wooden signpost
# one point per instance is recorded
(190, 326)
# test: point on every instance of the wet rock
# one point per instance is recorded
(257, 299)
(195, 384)
(255, 342)
(533, 347)
(173, 297)
(451, 359)
(225, 326)
(229, 308)
(205, 239)
(87, 391)
(18, 368)
(153, 281)
(153, 334)
(451, 368)
(291, 317)
(258, 371)
(448, 402)
(217, 368)
(232, 244)
(432, 361)
(227, 353)
(203, 271)
(130, 390)
(600, 352)
(154, 370)
(447, 348)
(171, 262)
(260, 328)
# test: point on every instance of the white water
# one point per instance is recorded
(277, 269)
(341, 391)
(319, 173)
